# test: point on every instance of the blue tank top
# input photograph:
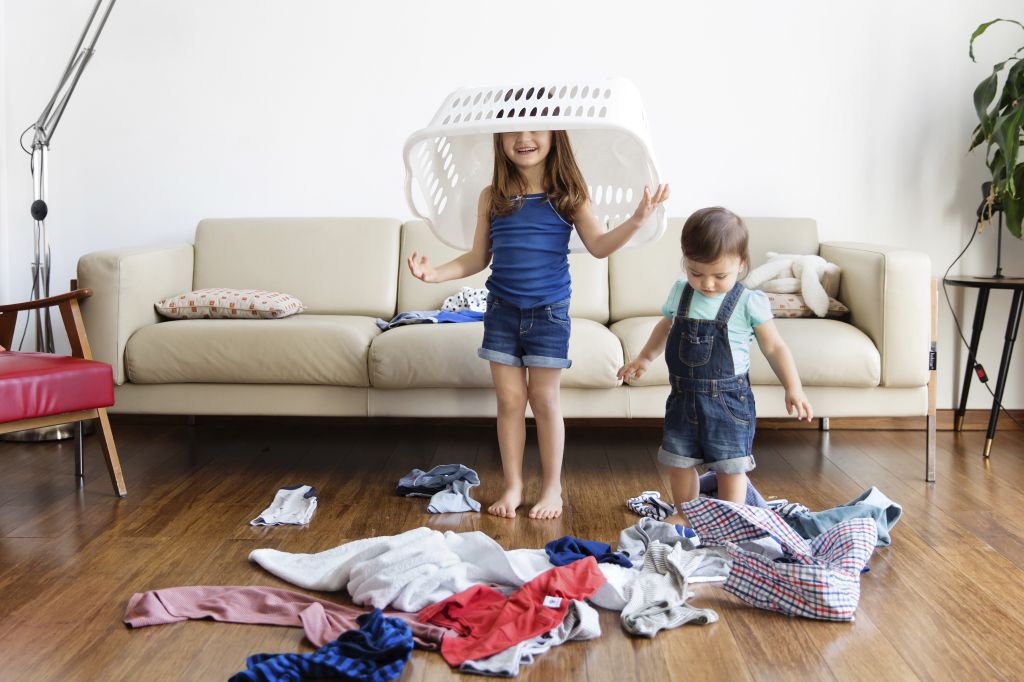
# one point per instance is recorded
(530, 255)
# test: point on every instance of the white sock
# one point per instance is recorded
(293, 505)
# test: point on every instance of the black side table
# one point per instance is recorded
(985, 285)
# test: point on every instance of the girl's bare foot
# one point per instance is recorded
(549, 506)
(507, 504)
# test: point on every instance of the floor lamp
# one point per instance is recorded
(43, 129)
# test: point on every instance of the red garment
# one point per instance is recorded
(492, 622)
(322, 620)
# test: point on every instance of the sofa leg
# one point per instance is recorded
(929, 445)
(110, 451)
(823, 424)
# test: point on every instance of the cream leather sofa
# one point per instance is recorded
(332, 360)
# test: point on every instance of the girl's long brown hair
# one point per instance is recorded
(563, 181)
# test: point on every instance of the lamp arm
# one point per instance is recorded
(51, 114)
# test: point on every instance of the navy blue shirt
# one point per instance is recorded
(530, 255)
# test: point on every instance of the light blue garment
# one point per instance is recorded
(429, 317)
(752, 309)
(871, 504)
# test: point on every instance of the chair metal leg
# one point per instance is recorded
(79, 454)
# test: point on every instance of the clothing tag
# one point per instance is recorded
(552, 602)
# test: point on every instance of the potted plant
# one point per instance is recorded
(1000, 130)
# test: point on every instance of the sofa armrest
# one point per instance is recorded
(125, 284)
(888, 291)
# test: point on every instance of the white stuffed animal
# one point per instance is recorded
(812, 277)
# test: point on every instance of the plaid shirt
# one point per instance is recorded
(818, 580)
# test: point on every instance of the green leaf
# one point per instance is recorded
(1014, 206)
(1006, 136)
(977, 137)
(983, 96)
(982, 28)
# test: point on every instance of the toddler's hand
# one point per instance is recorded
(648, 203)
(798, 405)
(421, 268)
(633, 370)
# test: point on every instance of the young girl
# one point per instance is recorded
(709, 321)
(524, 219)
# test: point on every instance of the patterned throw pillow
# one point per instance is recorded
(239, 304)
(792, 305)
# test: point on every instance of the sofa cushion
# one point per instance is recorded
(304, 349)
(642, 277)
(444, 356)
(589, 277)
(345, 266)
(827, 353)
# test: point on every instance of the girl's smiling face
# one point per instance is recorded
(528, 148)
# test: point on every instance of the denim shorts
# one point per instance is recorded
(526, 337)
(710, 427)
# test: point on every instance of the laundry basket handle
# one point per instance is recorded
(409, 198)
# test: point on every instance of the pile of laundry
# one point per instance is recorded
(489, 610)
(468, 305)
(447, 485)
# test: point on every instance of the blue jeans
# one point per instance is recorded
(526, 337)
(710, 427)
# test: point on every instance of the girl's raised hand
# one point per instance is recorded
(421, 268)
(649, 202)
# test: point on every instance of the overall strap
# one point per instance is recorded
(729, 304)
(683, 309)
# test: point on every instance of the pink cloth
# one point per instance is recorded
(322, 620)
(492, 622)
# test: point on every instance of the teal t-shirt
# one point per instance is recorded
(752, 309)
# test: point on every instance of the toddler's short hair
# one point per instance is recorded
(714, 232)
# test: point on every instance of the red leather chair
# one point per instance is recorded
(42, 389)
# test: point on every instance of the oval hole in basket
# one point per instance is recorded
(508, 95)
(603, 112)
(585, 92)
(440, 207)
(575, 89)
(522, 113)
(455, 102)
(618, 195)
(544, 112)
(579, 111)
(607, 93)
(590, 111)
(533, 112)
(519, 94)
(556, 111)
(598, 194)
(529, 93)
(540, 93)
(561, 93)
(629, 194)
(476, 100)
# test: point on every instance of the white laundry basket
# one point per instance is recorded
(452, 159)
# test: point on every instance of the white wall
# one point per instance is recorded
(855, 113)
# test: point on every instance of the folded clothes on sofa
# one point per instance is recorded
(429, 317)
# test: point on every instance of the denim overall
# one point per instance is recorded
(709, 416)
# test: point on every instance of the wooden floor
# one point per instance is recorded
(945, 601)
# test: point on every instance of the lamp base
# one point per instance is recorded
(48, 433)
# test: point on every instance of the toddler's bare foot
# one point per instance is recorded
(507, 504)
(549, 506)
